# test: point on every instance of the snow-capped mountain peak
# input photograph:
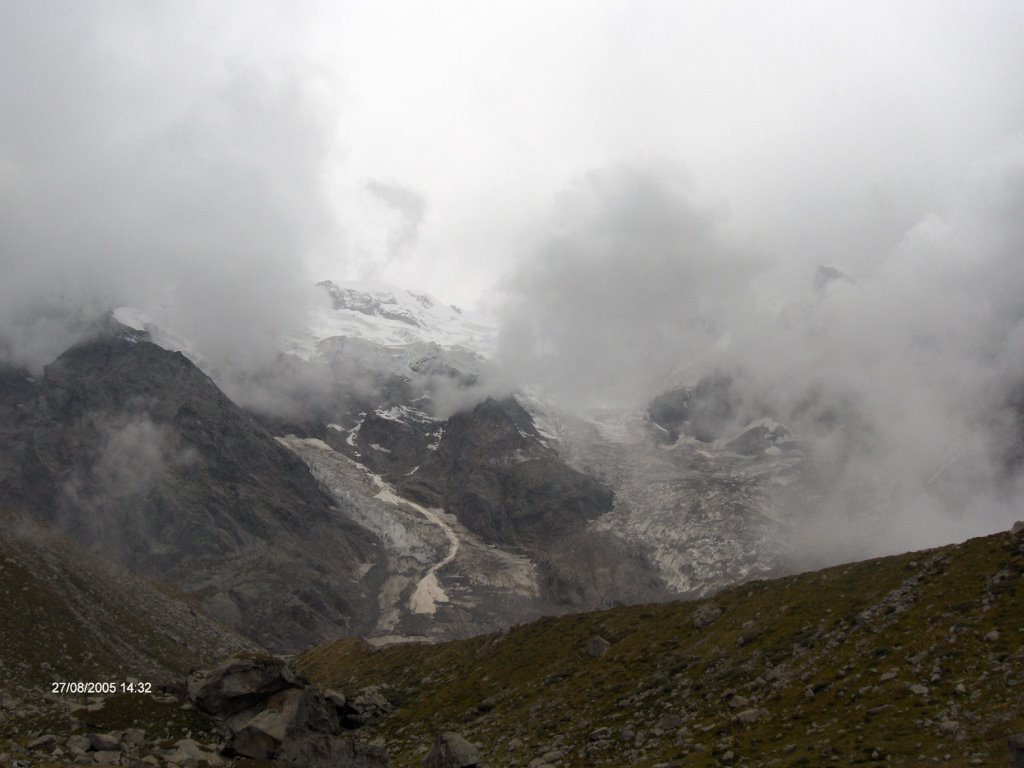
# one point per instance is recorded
(390, 316)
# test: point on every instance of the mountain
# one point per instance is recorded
(908, 660)
(138, 456)
(393, 498)
(385, 479)
(391, 400)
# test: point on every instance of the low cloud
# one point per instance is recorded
(630, 280)
(135, 457)
(901, 379)
(179, 177)
(409, 206)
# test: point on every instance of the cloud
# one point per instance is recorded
(161, 171)
(630, 278)
(135, 457)
(410, 206)
(902, 380)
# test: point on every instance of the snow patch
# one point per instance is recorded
(133, 318)
(391, 316)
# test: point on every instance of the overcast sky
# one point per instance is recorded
(435, 135)
(822, 131)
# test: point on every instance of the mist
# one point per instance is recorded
(147, 165)
(642, 194)
(900, 371)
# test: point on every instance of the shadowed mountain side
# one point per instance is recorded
(136, 454)
(490, 468)
(71, 616)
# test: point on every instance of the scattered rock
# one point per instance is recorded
(949, 727)
(107, 757)
(668, 723)
(597, 647)
(78, 744)
(992, 636)
(1016, 744)
(185, 750)
(369, 705)
(133, 737)
(43, 741)
(105, 742)
(487, 704)
(706, 614)
(336, 698)
(750, 716)
(451, 750)
(919, 690)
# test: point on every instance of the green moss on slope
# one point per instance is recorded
(889, 660)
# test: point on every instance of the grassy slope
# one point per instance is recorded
(66, 616)
(810, 649)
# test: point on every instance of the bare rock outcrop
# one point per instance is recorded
(272, 714)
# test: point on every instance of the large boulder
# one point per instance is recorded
(271, 714)
(238, 684)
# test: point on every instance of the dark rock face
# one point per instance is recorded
(137, 454)
(271, 714)
(492, 470)
(368, 304)
(701, 412)
(759, 438)
(489, 467)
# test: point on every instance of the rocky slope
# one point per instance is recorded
(138, 456)
(69, 618)
(910, 660)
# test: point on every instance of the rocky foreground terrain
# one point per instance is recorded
(910, 660)
(913, 660)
